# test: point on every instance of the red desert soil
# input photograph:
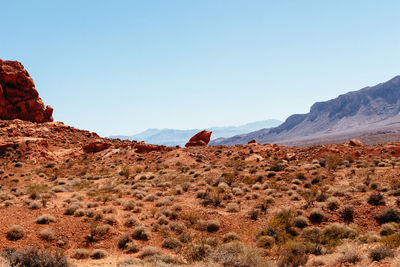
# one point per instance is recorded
(104, 182)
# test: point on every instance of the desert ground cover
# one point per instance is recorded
(243, 205)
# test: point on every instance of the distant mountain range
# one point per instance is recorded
(173, 137)
(370, 114)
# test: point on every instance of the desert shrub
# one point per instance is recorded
(369, 237)
(150, 252)
(316, 216)
(349, 254)
(392, 240)
(80, 212)
(176, 207)
(300, 176)
(185, 237)
(98, 231)
(15, 232)
(132, 247)
(332, 161)
(98, 254)
(380, 253)
(232, 207)
(312, 235)
(98, 215)
(140, 233)
(294, 255)
(231, 236)
(201, 194)
(131, 221)
(212, 199)
(123, 240)
(171, 243)
(32, 257)
(129, 205)
(279, 226)
(347, 214)
(178, 227)
(333, 233)
(163, 220)
(277, 167)
(300, 222)
(45, 219)
(332, 203)
(388, 215)
(197, 252)
(163, 202)
(70, 210)
(80, 254)
(46, 234)
(265, 241)
(34, 205)
(109, 209)
(388, 229)
(213, 226)
(254, 213)
(376, 199)
(110, 219)
(237, 254)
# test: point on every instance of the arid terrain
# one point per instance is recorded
(244, 205)
(69, 197)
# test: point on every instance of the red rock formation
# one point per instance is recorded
(252, 142)
(146, 148)
(96, 147)
(355, 142)
(18, 96)
(200, 139)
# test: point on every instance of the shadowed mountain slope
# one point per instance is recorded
(370, 114)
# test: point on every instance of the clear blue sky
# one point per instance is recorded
(119, 67)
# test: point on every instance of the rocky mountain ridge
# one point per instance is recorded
(369, 111)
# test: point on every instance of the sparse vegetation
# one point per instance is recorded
(213, 206)
(15, 232)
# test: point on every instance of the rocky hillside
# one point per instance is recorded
(371, 113)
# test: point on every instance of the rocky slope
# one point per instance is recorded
(111, 202)
(369, 114)
(108, 204)
(18, 96)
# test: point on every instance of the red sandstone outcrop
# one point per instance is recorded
(355, 142)
(18, 96)
(200, 139)
(146, 148)
(96, 147)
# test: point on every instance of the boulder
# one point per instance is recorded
(96, 147)
(146, 148)
(355, 142)
(200, 139)
(18, 96)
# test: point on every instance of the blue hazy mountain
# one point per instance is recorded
(173, 137)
